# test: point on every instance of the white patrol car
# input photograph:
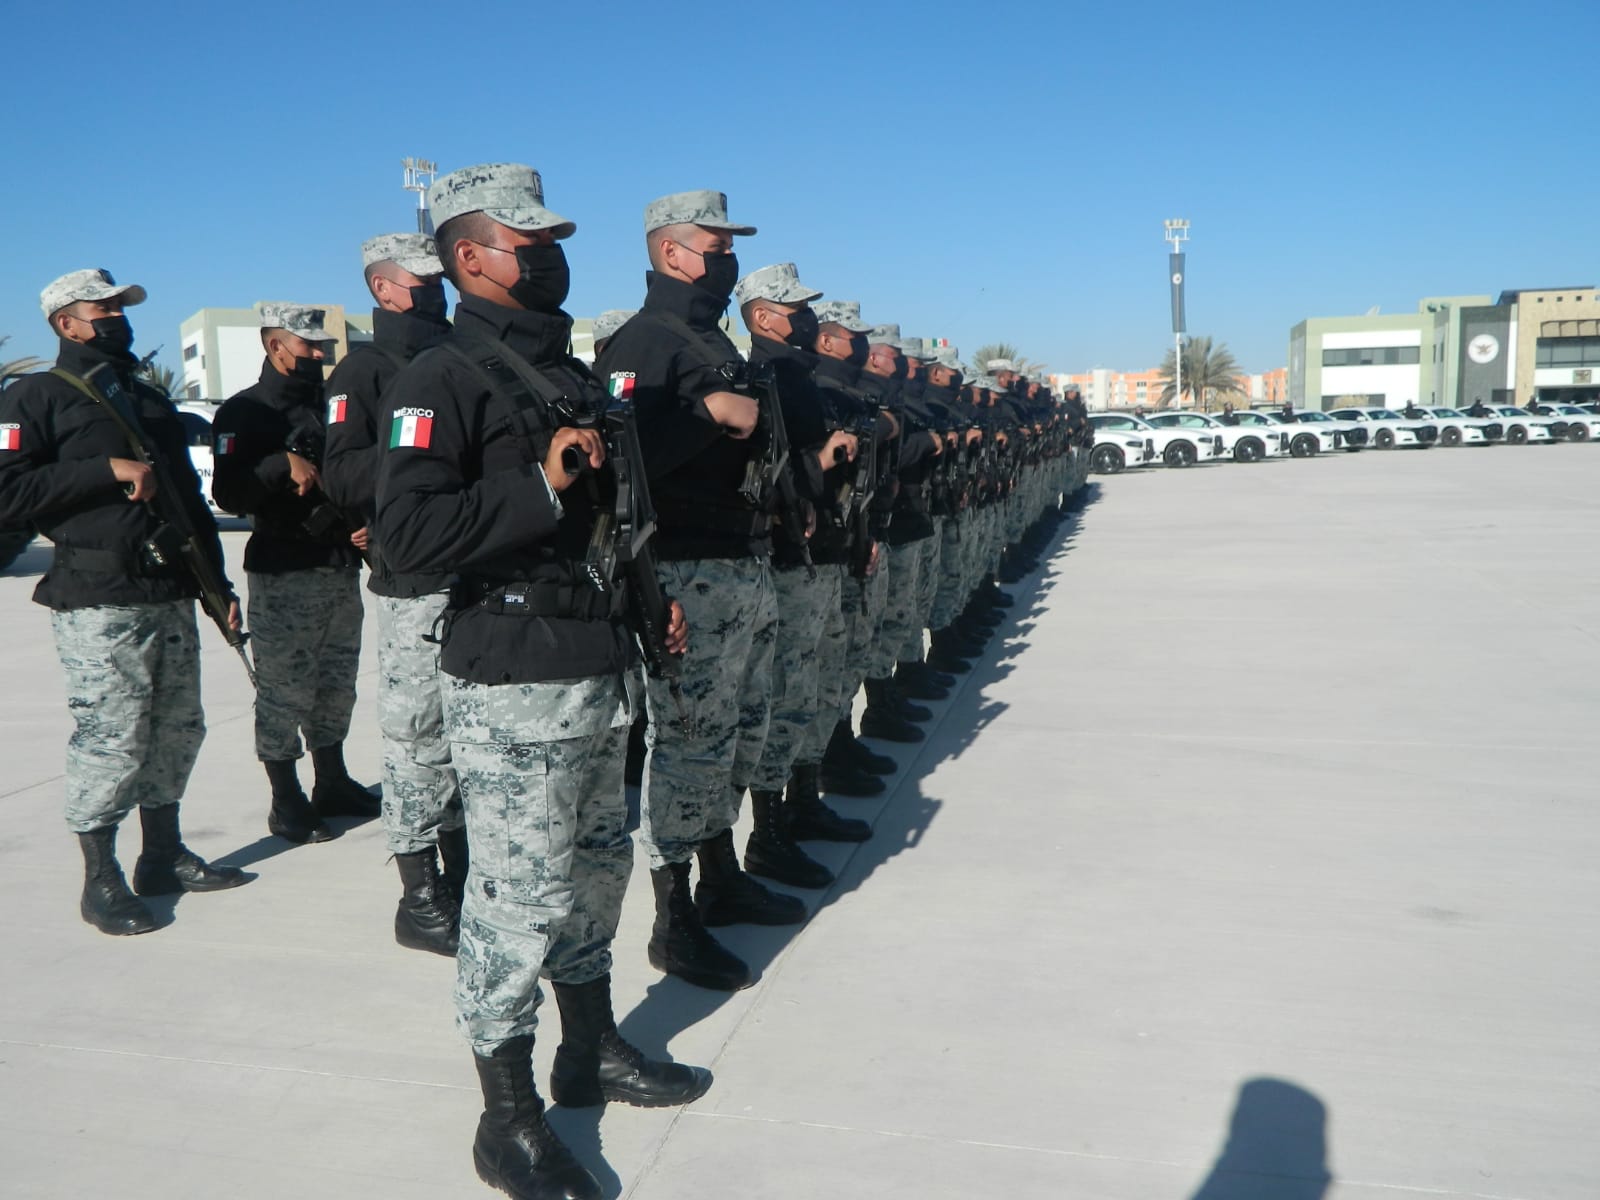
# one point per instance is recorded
(1523, 426)
(1582, 425)
(1245, 443)
(196, 417)
(1391, 431)
(1456, 428)
(1352, 436)
(1115, 450)
(1174, 447)
(1304, 441)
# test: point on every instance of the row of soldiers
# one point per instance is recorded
(766, 534)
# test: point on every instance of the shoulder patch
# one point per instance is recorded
(336, 407)
(10, 437)
(224, 444)
(621, 385)
(411, 427)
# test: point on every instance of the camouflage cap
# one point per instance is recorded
(884, 335)
(91, 283)
(995, 365)
(842, 312)
(608, 322)
(509, 193)
(779, 283)
(948, 356)
(414, 252)
(917, 348)
(709, 209)
(298, 319)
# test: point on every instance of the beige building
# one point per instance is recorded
(222, 353)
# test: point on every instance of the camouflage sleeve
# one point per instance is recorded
(33, 480)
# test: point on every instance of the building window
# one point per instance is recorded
(190, 351)
(1373, 356)
(1567, 352)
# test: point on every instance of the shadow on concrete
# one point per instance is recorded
(900, 818)
(1277, 1147)
(579, 1128)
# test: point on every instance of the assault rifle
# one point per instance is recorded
(175, 543)
(768, 479)
(326, 522)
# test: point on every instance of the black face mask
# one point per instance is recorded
(955, 382)
(722, 272)
(858, 351)
(803, 330)
(428, 302)
(112, 335)
(544, 278)
(899, 367)
(307, 370)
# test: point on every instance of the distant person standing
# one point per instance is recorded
(123, 622)
(304, 564)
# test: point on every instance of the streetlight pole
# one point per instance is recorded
(418, 175)
(1177, 232)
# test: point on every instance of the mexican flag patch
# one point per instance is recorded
(621, 385)
(336, 408)
(10, 437)
(224, 443)
(411, 427)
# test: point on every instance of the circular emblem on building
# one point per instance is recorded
(1177, 277)
(1484, 348)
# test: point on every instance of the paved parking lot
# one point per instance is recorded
(1259, 865)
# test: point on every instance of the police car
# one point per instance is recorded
(1523, 426)
(1353, 435)
(1115, 450)
(1243, 443)
(1174, 447)
(1456, 428)
(1302, 442)
(1391, 431)
(196, 417)
(1582, 424)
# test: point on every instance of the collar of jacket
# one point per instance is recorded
(285, 391)
(881, 388)
(698, 308)
(765, 349)
(404, 333)
(81, 359)
(538, 337)
(839, 372)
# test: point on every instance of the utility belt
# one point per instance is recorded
(684, 515)
(157, 557)
(539, 598)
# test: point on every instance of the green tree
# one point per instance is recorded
(18, 366)
(1210, 374)
(999, 350)
(164, 379)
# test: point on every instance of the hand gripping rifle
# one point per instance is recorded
(860, 489)
(176, 541)
(768, 481)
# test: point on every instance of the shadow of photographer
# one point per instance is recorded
(1277, 1146)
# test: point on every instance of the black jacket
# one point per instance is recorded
(350, 461)
(695, 468)
(252, 433)
(57, 474)
(468, 496)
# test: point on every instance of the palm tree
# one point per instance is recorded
(1000, 350)
(18, 366)
(1209, 373)
(164, 379)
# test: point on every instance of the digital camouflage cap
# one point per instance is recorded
(884, 335)
(414, 252)
(709, 209)
(613, 319)
(91, 283)
(298, 319)
(509, 193)
(842, 312)
(779, 283)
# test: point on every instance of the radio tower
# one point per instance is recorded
(419, 174)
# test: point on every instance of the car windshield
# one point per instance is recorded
(1445, 412)
(1312, 416)
(1509, 410)
(1383, 414)
(1568, 410)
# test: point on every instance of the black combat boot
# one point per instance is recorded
(679, 944)
(990, 594)
(727, 895)
(810, 820)
(166, 865)
(107, 903)
(918, 669)
(944, 652)
(883, 718)
(908, 710)
(849, 780)
(335, 794)
(454, 861)
(291, 817)
(595, 1064)
(427, 917)
(914, 681)
(516, 1151)
(633, 765)
(772, 851)
(845, 749)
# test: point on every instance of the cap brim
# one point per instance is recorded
(736, 230)
(532, 219)
(130, 295)
(421, 267)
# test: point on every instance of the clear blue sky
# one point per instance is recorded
(975, 171)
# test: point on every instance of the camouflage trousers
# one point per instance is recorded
(899, 608)
(803, 605)
(863, 605)
(700, 758)
(419, 784)
(540, 768)
(931, 550)
(948, 596)
(832, 648)
(133, 689)
(306, 634)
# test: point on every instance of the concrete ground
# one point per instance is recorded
(1258, 863)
